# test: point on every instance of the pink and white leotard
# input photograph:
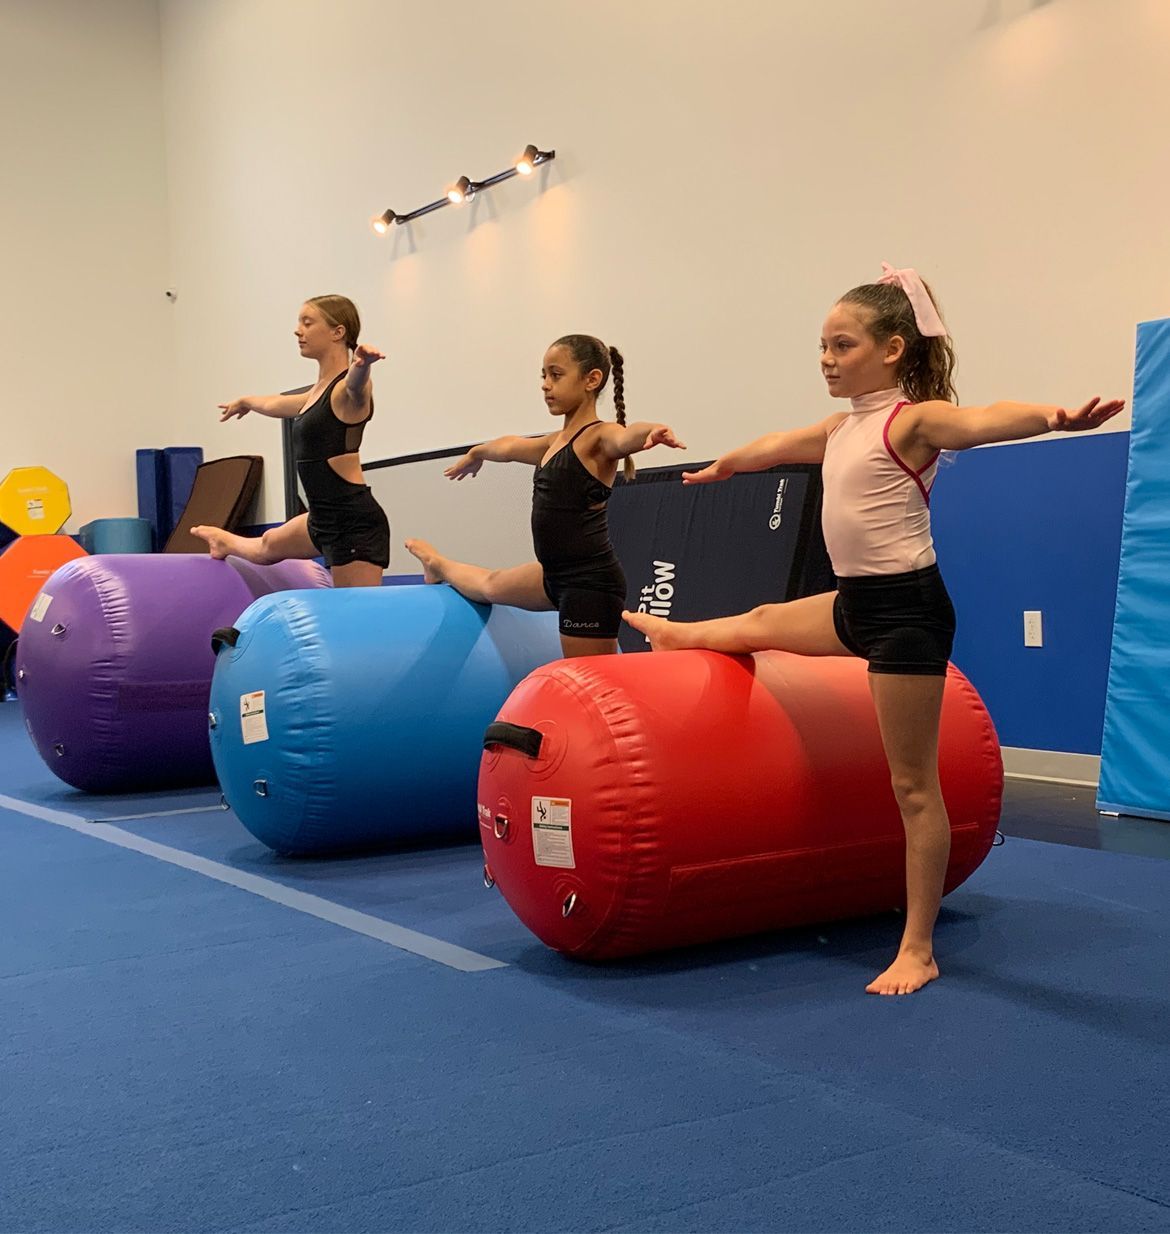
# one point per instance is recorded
(876, 513)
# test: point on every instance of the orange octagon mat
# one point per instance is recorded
(25, 566)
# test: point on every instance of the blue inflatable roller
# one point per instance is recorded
(354, 718)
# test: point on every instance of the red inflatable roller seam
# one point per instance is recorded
(683, 797)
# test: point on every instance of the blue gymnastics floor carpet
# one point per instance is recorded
(181, 1055)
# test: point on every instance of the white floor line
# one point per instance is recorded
(214, 807)
(314, 906)
(1020, 775)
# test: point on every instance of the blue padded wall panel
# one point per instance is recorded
(1035, 526)
(165, 480)
(153, 496)
(182, 462)
(1135, 754)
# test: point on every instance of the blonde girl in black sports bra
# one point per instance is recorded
(344, 524)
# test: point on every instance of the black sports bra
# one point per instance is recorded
(568, 509)
(319, 435)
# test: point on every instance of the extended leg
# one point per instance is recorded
(290, 540)
(519, 586)
(804, 626)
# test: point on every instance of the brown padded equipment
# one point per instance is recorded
(223, 491)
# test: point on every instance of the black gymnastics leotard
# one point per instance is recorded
(570, 533)
(345, 521)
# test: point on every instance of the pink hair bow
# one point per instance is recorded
(926, 315)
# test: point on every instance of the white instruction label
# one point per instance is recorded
(552, 832)
(40, 607)
(253, 724)
(35, 507)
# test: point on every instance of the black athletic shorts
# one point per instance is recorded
(900, 623)
(589, 597)
(350, 527)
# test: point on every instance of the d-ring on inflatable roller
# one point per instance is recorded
(633, 803)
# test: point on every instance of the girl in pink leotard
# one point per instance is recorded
(884, 348)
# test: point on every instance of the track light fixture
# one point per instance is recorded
(532, 158)
(464, 189)
(460, 191)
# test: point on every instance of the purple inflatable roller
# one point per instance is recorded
(114, 663)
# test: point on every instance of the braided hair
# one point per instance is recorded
(591, 353)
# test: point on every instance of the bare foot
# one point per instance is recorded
(663, 635)
(217, 540)
(910, 971)
(431, 561)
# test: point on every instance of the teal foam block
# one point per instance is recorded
(116, 535)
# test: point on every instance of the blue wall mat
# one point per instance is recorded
(1135, 755)
(182, 462)
(153, 501)
(165, 479)
(1035, 526)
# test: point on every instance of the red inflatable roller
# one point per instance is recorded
(633, 803)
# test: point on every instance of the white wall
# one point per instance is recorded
(84, 323)
(723, 173)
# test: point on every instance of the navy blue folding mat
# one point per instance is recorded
(165, 480)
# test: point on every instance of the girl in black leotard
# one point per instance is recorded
(344, 525)
(576, 571)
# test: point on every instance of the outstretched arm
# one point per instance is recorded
(942, 426)
(622, 440)
(279, 406)
(351, 398)
(500, 450)
(801, 445)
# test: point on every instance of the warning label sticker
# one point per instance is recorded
(253, 724)
(552, 832)
(40, 607)
(35, 507)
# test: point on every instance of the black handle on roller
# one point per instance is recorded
(225, 636)
(515, 737)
